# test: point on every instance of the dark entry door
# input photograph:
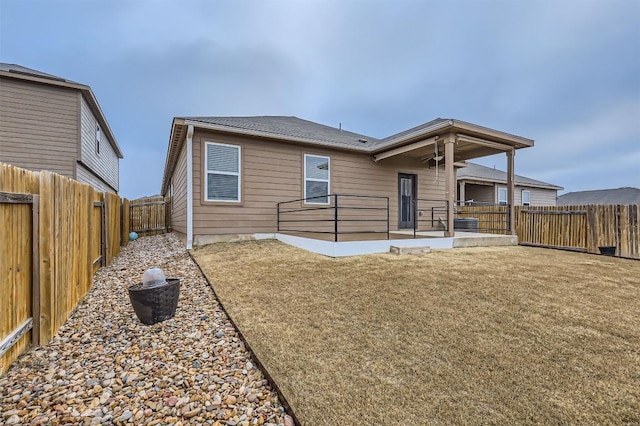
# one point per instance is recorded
(406, 195)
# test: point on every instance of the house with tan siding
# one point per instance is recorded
(233, 178)
(50, 123)
(478, 184)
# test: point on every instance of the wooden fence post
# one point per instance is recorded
(35, 268)
(46, 239)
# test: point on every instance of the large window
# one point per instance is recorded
(526, 197)
(502, 195)
(222, 169)
(316, 179)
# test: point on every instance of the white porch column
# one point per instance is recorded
(462, 196)
(511, 196)
(450, 182)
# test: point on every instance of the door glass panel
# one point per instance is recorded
(406, 191)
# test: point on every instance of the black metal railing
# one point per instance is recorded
(341, 214)
(430, 215)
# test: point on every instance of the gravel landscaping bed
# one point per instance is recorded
(104, 366)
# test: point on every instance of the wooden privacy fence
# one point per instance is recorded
(150, 215)
(54, 235)
(582, 228)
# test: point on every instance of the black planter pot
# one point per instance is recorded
(155, 304)
(608, 250)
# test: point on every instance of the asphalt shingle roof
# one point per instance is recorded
(19, 69)
(478, 172)
(623, 196)
(293, 127)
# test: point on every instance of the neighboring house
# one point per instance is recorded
(226, 174)
(479, 184)
(621, 196)
(49, 123)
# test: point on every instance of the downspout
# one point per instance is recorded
(190, 187)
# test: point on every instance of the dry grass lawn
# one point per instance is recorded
(498, 335)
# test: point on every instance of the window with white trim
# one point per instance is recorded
(316, 179)
(502, 195)
(98, 137)
(222, 172)
(526, 197)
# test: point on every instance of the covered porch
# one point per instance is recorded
(451, 142)
(427, 213)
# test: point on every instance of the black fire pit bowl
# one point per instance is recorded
(155, 304)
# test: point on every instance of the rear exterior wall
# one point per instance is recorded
(272, 172)
(178, 194)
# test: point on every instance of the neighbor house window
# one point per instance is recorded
(502, 195)
(316, 179)
(222, 166)
(526, 197)
(97, 139)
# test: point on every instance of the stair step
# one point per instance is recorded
(410, 250)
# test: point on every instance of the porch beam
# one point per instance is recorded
(450, 182)
(478, 141)
(511, 196)
(404, 149)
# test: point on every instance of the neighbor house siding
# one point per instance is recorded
(489, 194)
(105, 164)
(179, 196)
(479, 193)
(539, 196)
(85, 175)
(273, 172)
(38, 126)
(543, 197)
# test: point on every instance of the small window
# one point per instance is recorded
(316, 179)
(502, 195)
(222, 165)
(98, 139)
(526, 197)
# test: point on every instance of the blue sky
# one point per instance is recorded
(564, 73)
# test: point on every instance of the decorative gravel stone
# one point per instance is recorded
(104, 366)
